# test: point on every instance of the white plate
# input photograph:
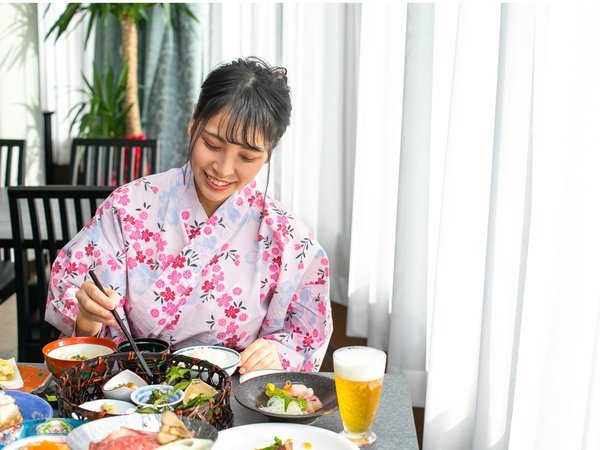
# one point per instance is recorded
(122, 407)
(259, 435)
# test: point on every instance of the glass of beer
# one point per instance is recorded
(358, 373)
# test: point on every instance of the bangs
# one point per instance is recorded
(247, 126)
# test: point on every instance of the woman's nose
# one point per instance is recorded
(224, 166)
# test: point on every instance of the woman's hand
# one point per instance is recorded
(261, 354)
(95, 309)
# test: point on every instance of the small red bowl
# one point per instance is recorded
(62, 354)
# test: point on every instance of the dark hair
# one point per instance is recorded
(254, 97)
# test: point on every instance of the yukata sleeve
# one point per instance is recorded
(305, 323)
(98, 246)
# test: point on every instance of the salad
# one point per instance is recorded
(293, 399)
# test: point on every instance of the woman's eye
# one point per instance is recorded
(210, 147)
(245, 158)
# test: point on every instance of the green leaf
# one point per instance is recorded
(64, 20)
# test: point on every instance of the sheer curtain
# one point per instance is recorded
(447, 162)
(312, 170)
(513, 360)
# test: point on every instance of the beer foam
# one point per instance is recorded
(359, 363)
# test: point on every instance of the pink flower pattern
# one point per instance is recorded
(190, 279)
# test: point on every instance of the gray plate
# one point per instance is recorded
(251, 394)
(81, 437)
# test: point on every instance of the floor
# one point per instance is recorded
(8, 328)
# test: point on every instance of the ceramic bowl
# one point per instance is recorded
(145, 345)
(96, 430)
(120, 406)
(120, 386)
(141, 396)
(226, 358)
(62, 354)
(37, 427)
(30, 441)
(251, 394)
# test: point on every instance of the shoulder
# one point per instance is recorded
(287, 229)
(149, 187)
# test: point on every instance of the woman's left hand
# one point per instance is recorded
(261, 354)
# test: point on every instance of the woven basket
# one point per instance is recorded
(84, 383)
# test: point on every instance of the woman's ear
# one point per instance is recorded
(190, 126)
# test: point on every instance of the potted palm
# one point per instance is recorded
(129, 16)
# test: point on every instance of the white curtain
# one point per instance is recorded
(446, 155)
(514, 348)
(312, 170)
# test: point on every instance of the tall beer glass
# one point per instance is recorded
(358, 373)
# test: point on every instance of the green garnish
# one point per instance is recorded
(273, 391)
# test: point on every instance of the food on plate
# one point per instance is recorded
(109, 408)
(172, 429)
(9, 411)
(198, 388)
(129, 385)
(125, 438)
(54, 426)
(292, 399)
(278, 444)
(45, 445)
(7, 371)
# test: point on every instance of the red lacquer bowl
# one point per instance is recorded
(62, 354)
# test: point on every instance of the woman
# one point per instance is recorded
(198, 255)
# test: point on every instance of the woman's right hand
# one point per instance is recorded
(95, 309)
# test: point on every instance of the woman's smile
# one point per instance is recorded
(216, 183)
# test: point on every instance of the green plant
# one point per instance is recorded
(102, 113)
(129, 15)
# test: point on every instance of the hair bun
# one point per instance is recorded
(280, 73)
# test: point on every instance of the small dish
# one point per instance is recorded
(119, 407)
(226, 358)
(31, 406)
(251, 394)
(37, 427)
(141, 396)
(62, 354)
(120, 387)
(25, 442)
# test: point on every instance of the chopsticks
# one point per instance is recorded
(123, 328)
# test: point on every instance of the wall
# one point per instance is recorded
(20, 113)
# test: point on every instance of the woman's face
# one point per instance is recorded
(220, 167)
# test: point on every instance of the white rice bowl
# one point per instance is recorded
(226, 358)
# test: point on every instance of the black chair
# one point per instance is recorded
(12, 162)
(111, 162)
(12, 172)
(44, 219)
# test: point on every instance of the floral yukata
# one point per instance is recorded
(190, 279)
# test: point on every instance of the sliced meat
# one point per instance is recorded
(127, 439)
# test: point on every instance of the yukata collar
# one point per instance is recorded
(235, 207)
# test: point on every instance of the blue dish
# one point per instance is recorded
(31, 406)
(37, 428)
(141, 396)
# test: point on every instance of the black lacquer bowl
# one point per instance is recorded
(251, 394)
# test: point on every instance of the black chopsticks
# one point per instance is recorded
(124, 329)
